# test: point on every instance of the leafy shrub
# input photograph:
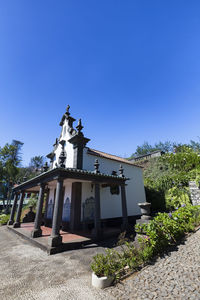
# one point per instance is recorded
(106, 265)
(184, 160)
(115, 263)
(130, 256)
(166, 229)
(171, 172)
(177, 196)
(32, 202)
(4, 219)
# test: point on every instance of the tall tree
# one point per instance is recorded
(10, 159)
(195, 146)
(37, 162)
(147, 148)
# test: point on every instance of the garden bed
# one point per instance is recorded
(165, 231)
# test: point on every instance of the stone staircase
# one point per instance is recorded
(194, 193)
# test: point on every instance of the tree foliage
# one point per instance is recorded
(11, 170)
(37, 162)
(10, 159)
(171, 173)
(166, 146)
(147, 148)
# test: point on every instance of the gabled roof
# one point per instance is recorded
(110, 156)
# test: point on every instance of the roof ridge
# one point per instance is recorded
(114, 157)
(107, 153)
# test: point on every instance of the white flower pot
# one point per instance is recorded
(101, 282)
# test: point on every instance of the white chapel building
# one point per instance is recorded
(82, 187)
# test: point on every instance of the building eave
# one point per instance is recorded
(69, 173)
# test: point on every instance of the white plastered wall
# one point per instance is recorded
(67, 184)
(65, 135)
(87, 192)
(111, 204)
(68, 189)
(51, 200)
(51, 194)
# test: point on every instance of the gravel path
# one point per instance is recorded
(27, 273)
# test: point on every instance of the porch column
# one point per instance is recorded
(97, 212)
(55, 239)
(124, 208)
(14, 206)
(38, 218)
(19, 211)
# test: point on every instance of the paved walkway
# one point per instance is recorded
(176, 276)
(27, 273)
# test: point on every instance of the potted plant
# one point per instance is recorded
(104, 268)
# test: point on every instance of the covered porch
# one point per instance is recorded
(70, 240)
(58, 237)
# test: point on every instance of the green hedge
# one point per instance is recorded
(167, 228)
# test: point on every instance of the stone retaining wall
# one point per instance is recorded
(194, 193)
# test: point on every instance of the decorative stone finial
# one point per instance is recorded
(62, 144)
(51, 156)
(45, 167)
(96, 166)
(62, 159)
(67, 117)
(121, 171)
(79, 127)
(67, 110)
(56, 142)
(25, 178)
(114, 173)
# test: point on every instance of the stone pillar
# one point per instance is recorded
(55, 239)
(194, 193)
(19, 211)
(12, 215)
(97, 211)
(124, 208)
(79, 142)
(38, 218)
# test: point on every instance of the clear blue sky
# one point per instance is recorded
(129, 69)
